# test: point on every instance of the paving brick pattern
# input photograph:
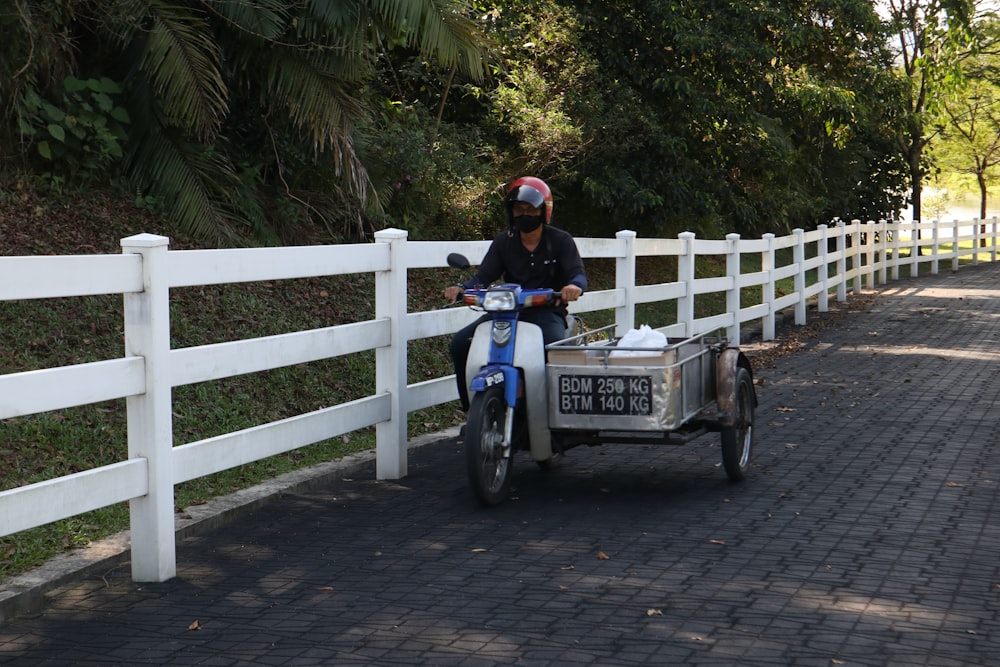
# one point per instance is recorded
(868, 533)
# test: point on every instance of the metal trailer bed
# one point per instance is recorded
(603, 393)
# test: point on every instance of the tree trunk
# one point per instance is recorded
(981, 177)
(916, 185)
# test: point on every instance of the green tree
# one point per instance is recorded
(970, 146)
(931, 38)
(973, 132)
(237, 109)
(705, 115)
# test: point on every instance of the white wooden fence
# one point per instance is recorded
(829, 260)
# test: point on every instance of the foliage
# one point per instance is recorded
(81, 134)
(712, 116)
(434, 183)
(970, 141)
(288, 122)
(225, 97)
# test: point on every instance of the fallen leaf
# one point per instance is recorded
(654, 612)
(325, 588)
(782, 408)
(569, 567)
(954, 485)
(602, 556)
(717, 541)
(564, 588)
(479, 551)
(195, 625)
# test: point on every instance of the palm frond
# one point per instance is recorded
(315, 100)
(189, 180)
(340, 18)
(182, 60)
(438, 28)
(263, 19)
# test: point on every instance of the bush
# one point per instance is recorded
(80, 134)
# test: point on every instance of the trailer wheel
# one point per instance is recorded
(489, 465)
(737, 440)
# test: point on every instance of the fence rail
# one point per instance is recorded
(828, 260)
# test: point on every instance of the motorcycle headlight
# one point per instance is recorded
(500, 299)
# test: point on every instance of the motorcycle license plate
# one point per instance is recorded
(605, 395)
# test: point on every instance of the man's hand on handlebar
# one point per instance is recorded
(570, 293)
(452, 293)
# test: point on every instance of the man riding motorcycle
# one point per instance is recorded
(531, 253)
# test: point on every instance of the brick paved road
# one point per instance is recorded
(867, 534)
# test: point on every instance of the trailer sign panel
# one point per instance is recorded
(605, 395)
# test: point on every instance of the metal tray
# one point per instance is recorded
(606, 387)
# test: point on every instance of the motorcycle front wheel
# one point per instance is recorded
(489, 469)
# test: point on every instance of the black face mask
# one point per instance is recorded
(527, 223)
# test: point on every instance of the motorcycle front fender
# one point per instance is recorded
(529, 358)
(496, 375)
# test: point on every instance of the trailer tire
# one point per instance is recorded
(737, 440)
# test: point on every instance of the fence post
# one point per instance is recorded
(856, 255)
(870, 254)
(977, 225)
(799, 256)
(842, 261)
(625, 280)
(895, 248)
(733, 295)
(824, 270)
(881, 253)
(685, 274)
(954, 245)
(993, 252)
(150, 425)
(936, 246)
(390, 362)
(767, 265)
(914, 248)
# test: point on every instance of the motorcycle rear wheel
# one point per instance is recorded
(490, 471)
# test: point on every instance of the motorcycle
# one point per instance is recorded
(505, 372)
(545, 399)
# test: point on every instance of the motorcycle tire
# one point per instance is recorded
(489, 470)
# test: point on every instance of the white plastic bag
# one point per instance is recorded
(644, 337)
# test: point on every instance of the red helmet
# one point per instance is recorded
(532, 191)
